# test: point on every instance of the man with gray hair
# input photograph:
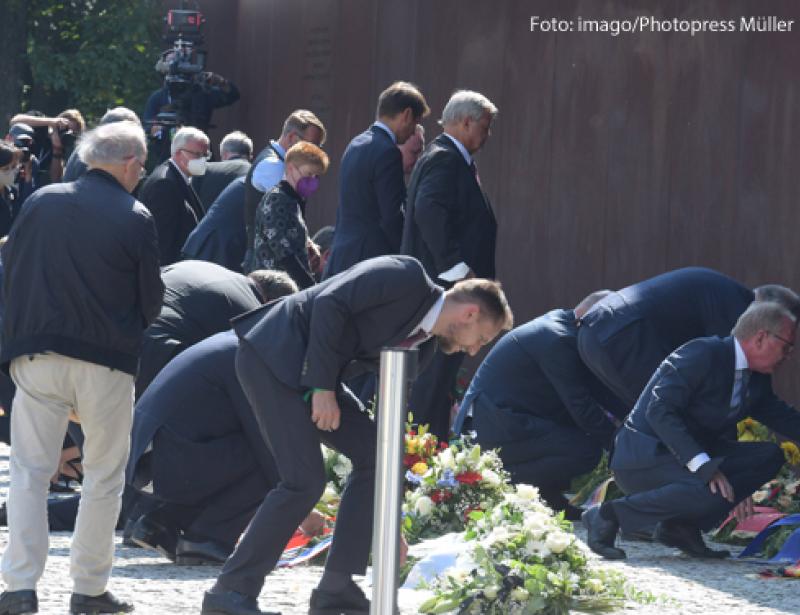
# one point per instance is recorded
(81, 284)
(76, 167)
(674, 458)
(450, 227)
(168, 195)
(235, 151)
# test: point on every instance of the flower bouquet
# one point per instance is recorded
(524, 559)
(461, 478)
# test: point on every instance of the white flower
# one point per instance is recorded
(342, 467)
(447, 460)
(424, 506)
(595, 585)
(520, 594)
(491, 592)
(527, 492)
(330, 494)
(491, 478)
(558, 541)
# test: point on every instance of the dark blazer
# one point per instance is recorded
(175, 208)
(198, 397)
(534, 372)
(640, 325)
(220, 236)
(252, 195)
(217, 177)
(685, 408)
(311, 339)
(10, 205)
(81, 274)
(372, 190)
(200, 299)
(449, 218)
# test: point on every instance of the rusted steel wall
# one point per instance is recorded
(614, 158)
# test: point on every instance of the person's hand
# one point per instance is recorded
(325, 413)
(313, 524)
(314, 260)
(719, 484)
(55, 139)
(403, 549)
(744, 509)
(58, 123)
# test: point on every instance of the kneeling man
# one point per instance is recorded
(673, 457)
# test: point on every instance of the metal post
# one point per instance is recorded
(396, 366)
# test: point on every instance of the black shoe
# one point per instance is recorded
(150, 534)
(192, 553)
(221, 602)
(126, 534)
(350, 601)
(18, 602)
(688, 539)
(81, 604)
(601, 534)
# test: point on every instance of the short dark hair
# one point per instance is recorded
(489, 295)
(400, 96)
(272, 284)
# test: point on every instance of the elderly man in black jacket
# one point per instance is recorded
(200, 299)
(450, 227)
(535, 400)
(170, 197)
(674, 458)
(292, 358)
(235, 152)
(77, 302)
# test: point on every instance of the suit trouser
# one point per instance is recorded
(549, 456)
(596, 358)
(209, 490)
(672, 492)
(431, 395)
(285, 423)
(49, 386)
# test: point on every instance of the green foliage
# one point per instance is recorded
(93, 54)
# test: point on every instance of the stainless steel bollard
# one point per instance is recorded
(397, 365)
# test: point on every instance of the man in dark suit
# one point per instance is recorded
(220, 237)
(208, 466)
(200, 299)
(372, 192)
(625, 336)
(292, 358)
(235, 152)
(450, 227)
(535, 400)
(673, 457)
(168, 195)
(267, 169)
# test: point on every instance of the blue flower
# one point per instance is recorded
(448, 480)
(411, 477)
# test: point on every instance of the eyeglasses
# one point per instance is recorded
(787, 345)
(205, 155)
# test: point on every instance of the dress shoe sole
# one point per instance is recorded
(145, 545)
(707, 554)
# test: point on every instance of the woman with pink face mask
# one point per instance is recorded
(281, 236)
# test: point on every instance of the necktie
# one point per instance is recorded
(740, 382)
(412, 340)
(474, 168)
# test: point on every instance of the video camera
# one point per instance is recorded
(182, 65)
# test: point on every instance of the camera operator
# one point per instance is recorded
(27, 178)
(54, 139)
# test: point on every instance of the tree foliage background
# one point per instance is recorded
(87, 54)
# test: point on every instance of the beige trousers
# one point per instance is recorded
(49, 387)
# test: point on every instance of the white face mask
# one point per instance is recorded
(197, 166)
(7, 176)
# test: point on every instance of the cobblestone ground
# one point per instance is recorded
(157, 586)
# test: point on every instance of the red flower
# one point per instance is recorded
(442, 445)
(410, 460)
(468, 478)
(412, 432)
(440, 496)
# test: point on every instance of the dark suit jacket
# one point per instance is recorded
(534, 372)
(448, 216)
(220, 236)
(685, 408)
(369, 220)
(217, 177)
(640, 325)
(252, 195)
(198, 398)
(175, 208)
(311, 339)
(199, 300)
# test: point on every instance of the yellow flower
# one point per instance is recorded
(411, 445)
(419, 468)
(791, 452)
